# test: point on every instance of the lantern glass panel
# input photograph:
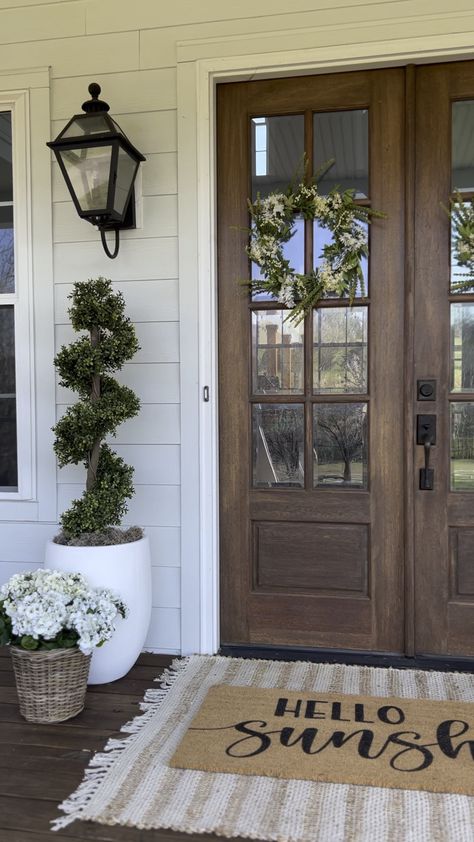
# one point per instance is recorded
(87, 125)
(88, 170)
(126, 169)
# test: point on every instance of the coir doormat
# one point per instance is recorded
(131, 783)
(375, 741)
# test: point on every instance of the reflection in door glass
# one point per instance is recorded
(323, 237)
(462, 347)
(344, 136)
(277, 353)
(277, 153)
(462, 446)
(463, 145)
(340, 350)
(278, 445)
(459, 273)
(340, 445)
(293, 251)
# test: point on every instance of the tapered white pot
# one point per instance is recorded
(126, 570)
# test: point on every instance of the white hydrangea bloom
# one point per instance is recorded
(46, 602)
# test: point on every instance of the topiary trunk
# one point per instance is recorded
(103, 404)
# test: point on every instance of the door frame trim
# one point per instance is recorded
(201, 66)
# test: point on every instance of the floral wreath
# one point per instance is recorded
(340, 271)
(462, 243)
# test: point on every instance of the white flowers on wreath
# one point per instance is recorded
(340, 271)
(49, 609)
(462, 241)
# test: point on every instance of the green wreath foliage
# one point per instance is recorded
(85, 367)
(340, 272)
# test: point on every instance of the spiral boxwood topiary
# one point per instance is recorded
(85, 367)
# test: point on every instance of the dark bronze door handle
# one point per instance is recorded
(426, 435)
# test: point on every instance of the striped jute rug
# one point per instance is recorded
(132, 783)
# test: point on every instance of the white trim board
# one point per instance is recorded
(201, 65)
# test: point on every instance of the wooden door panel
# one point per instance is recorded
(444, 523)
(317, 567)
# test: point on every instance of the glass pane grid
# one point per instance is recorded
(309, 384)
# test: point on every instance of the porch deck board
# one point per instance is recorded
(40, 765)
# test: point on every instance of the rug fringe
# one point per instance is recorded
(75, 805)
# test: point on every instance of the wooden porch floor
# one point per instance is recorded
(42, 764)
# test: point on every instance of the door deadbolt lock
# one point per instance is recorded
(426, 390)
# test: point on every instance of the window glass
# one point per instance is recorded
(8, 448)
(7, 257)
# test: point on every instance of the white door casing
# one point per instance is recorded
(201, 66)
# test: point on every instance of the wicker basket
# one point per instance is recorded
(52, 685)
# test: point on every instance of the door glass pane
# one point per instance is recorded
(462, 347)
(277, 153)
(462, 446)
(277, 353)
(460, 273)
(323, 237)
(463, 145)
(344, 136)
(278, 445)
(277, 161)
(293, 251)
(340, 350)
(340, 445)
(7, 265)
(8, 448)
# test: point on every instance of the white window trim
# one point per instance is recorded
(26, 94)
(18, 105)
(201, 65)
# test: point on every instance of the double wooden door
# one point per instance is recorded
(327, 539)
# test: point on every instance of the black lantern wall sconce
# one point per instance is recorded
(99, 165)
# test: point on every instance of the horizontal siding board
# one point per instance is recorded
(129, 92)
(159, 213)
(166, 587)
(152, 382)
(164, 632)
(42, 22)
(25, 542)
(139, 260)
(154, 464)
(145, 301)
(326, 38)
(91, 54)
(165, 544)
(160, 174)
(151, 505)
(159, 341)
(107, 15)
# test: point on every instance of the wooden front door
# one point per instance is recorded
(327, 542)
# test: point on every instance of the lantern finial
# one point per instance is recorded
(94, 105)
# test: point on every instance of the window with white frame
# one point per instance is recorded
(16, 395)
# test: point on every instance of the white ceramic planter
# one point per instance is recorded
(125, 569)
